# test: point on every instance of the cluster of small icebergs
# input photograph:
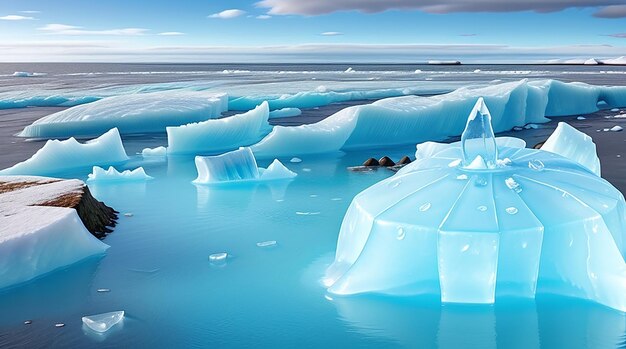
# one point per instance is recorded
(99, 323)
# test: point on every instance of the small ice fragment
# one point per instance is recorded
(349, 70)
(401, 233)
(306, 170)
(616, 128)
(531, 126)
(465, 248)
(301, 213)
(103, 290)
(517, 128)
(605, 129)
(581, 118)
(268, 243)
(128, 214)
(154, 152)
(295, 160)
(476, 70)
(313, 195)
(280, 200)
(455, 163)
(536, 165)
(615, 110)
(28, 322)
(513, 185)
(462, 177)
(425, 207)
(59, 325)
(482, 208)
(511, 210)
(417, 71)
(218, 257)
(336, 199)
(103, 322)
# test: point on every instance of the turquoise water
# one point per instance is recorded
(158, 271)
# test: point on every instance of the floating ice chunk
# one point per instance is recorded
(349, 70)
(285, 113)
(477, 70)
(215, 136)
(581, 118)
(616, 128)
(531, 126)
(218, 257)
(25, 74)
(56, 156)
(112, 175)
(237, 165)
(269, 243)
(103, 322)
(574, 145)
(615, 110)
(295, 160)
(136, 113)
(158, 151)
(276, 170)
(35, 239)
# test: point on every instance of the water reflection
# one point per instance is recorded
(548, 322)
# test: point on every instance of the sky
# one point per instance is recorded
(325, 31)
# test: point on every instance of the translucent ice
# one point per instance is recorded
(57, 155)
(99, 174)
(478, 140)
(238, 165)
(144, 112)
(219, 135)
(495, 233)
(574, 145)
(103, 322)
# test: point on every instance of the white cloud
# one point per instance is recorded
(16, 18)
(331, 33)
(64, 29)
(318, 7)
(171, 33)
(228, 14)
(30, 11)
(263, 17)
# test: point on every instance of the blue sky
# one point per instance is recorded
(304, 31)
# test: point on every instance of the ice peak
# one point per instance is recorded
(478, 139)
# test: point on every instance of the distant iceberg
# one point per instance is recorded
(219, 135)
(25, 74)
(238, 166)
(135, 113)
(56, 155)
(285, 113)
(154, 152)
(99, 174)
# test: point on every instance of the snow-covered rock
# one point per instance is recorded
(237, 166)
(99, 174)
(219, 135)
(56, 156)
(135, 113)
(35, 237)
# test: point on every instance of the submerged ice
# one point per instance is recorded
(539, 222)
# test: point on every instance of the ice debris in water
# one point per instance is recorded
(59, 325)
(303, 213)
(616, 128)
(103, 322)
(154, 152)
(99, 174)
(295, 160)
(218, 257)
(268, 243)
(238, 165)
(467, 260)
(103, 290)
(581, 118)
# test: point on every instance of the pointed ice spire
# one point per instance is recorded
(478, 138)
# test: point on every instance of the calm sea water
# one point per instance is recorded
(158, 269)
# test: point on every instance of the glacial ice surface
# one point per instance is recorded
(480, 234)
(34, 239)
(412, 119)
(135, 113)
(237, 165)
(99, 174)
(219, 135)
(58, 155)
(103, 322)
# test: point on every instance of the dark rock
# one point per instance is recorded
(538, 145)
(405, 160)
(385, 161)
(371, 162)
(362, 168)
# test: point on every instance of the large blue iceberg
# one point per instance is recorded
(484, 218)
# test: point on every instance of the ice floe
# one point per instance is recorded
(56, 155)
(135, 113)
(154, 152)
(99, 174)
(103, 322)
(285, 113)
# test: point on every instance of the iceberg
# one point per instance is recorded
(236, 166)
(414, 119)
(216, 136)
(36, 238)
(135, 113)
(25, 74)
(112, 175)
(103, 322)
(154, 152)
(574, 145)
(479, 234)
(285, 113)
(57, 155)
